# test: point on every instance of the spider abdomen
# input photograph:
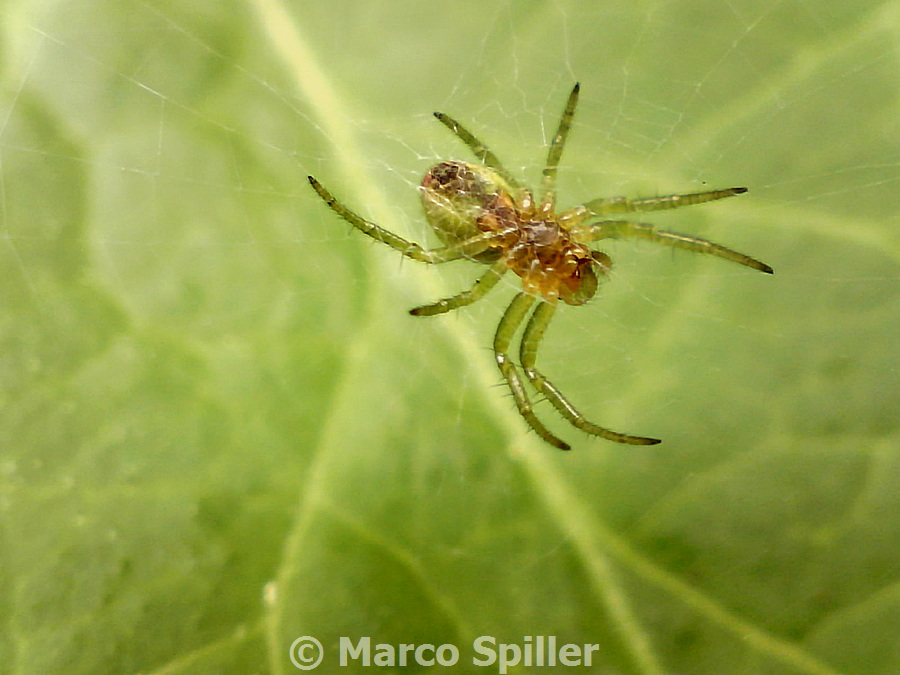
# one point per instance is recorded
(462, 200)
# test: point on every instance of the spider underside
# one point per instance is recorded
(482, 213)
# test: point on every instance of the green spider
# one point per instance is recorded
(482, 213)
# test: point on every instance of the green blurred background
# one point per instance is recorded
(220, 430)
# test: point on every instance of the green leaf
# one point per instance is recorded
(221, 431)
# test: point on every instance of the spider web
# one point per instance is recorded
(222, 431)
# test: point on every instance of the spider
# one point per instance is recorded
(482, 213)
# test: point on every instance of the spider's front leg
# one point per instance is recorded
(511, 320)
(531, 339)
(621, 229)
(610, 205)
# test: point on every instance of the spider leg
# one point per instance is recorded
(466, 248)
(481, 287)
(511, 320)
(548, 201)
(479, 149)
(531, 339)
(606, 206)
(617, 229)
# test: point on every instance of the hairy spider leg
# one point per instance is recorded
(605, 206)
(548, 200)
(531, 339)
(479, 149)
(512, 319)
(467, 248)
(479, 289)
(616, 229)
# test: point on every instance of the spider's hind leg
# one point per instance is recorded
(466, 248)
(548, 199)
(479, 149)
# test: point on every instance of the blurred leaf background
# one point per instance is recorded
(220, 430)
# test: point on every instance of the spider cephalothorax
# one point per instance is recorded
(482, 213)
